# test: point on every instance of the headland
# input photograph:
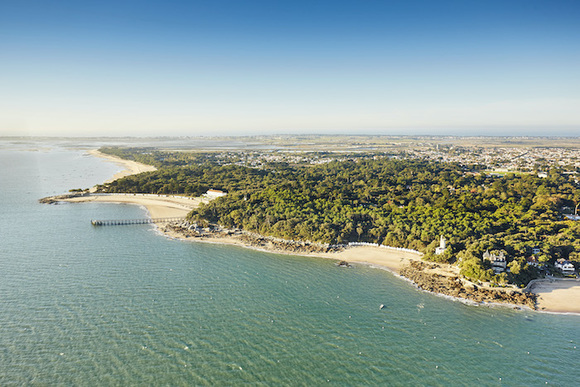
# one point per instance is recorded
(555, 295)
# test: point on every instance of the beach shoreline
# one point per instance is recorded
(131, 167)
(157, 206)
(551, 296)
(557, 295)
(437, 278)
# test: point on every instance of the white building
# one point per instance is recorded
(214, 193)
(572, 217)
(566, 267)
(442, 246)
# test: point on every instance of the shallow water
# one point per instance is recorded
(123, 305)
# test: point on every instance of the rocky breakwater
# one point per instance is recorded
(454, 286)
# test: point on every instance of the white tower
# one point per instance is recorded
(442, 246)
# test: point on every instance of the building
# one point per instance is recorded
(566, 267)
(498, 262)
(442, 246)
(215, 193)
(533, 261)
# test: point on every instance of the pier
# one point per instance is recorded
(126, 222)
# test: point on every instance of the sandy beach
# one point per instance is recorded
(158, 206)
(390, 259)
(131, 167)
(557, 295)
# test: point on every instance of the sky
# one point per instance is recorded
(233, 67)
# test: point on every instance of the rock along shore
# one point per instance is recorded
(454, 287)
(60, 198)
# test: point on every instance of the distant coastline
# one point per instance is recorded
(440, 279)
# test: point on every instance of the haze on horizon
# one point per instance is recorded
(225, 67)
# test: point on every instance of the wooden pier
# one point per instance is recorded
(126, 222)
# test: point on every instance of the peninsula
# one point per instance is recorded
(452, 228)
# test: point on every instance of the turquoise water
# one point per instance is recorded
(123, 305)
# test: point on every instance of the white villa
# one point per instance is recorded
(566, 267)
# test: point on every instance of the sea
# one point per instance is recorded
(124, 305)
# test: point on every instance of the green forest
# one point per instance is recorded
(381, 199)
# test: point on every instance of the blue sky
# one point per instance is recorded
(264, 67)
